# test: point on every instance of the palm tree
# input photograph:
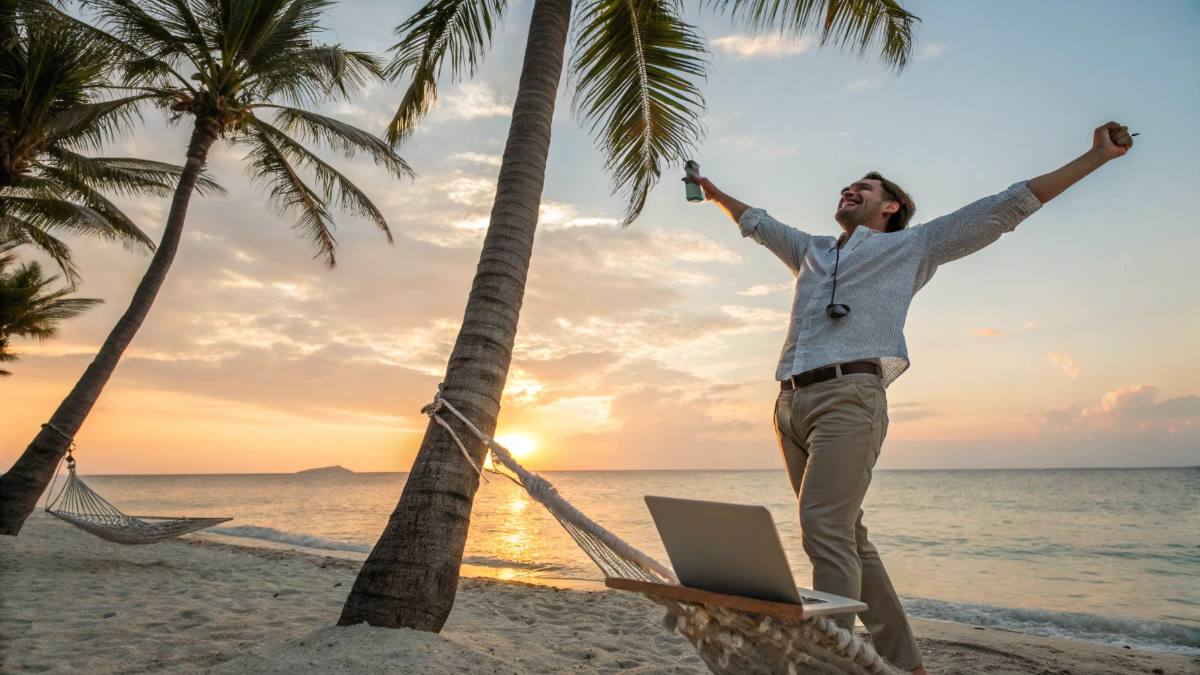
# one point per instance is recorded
(53, 79)
(28, 306)
(634, 67)
(220, 64)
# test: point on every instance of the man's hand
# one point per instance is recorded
(1111, 141)
(706, 187)
(732, 207)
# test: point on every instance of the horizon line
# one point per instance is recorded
(897, 470)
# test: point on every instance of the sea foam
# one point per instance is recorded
(1111, 630)
(305, 540)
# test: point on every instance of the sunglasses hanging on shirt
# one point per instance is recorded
(834, 310)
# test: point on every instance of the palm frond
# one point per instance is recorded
(93, 124)
(635, 64)
(54, 213)
(290, 194)
(178, 19)
(462, 29)
(123, 228)
(345, 138)
(271, 34)
(857, 25)
(30, 307)
(17, 232)
(154, 31)
(333, 184)
(307, 76)
(128, 176)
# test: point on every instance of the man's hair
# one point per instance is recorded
(899, 219)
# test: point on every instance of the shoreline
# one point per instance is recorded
(74, 603)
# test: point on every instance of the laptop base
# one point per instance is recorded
(815, 603)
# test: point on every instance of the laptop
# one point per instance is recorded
(734, 549)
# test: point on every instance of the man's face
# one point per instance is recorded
(864, 203)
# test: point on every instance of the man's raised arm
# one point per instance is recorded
(1109, 141)
(982, 222)
(732, 207)
(786, 242)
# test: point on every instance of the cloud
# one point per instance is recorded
(860, 85)
(477, 158)
(986, 332)
(766, 289)
(560, 216)
(1028, 325)
(909, 412)
(743, 47)
(473, 100)
(654, 425)
(930, 51)
(756, 145)
(757, 318)
(1131, 409)
(1066, 362)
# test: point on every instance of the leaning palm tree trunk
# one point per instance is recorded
(25, 482)
(411, 575)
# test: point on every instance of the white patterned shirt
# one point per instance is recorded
(877, 277)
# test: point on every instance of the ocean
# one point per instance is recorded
(1102, 555)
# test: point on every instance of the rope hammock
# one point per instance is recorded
(729, 640)
(82, 507)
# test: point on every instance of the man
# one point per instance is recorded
(845, 345)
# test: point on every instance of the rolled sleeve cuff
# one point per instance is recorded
(750, 220)
(1021, 202)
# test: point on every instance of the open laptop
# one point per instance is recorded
(734, 549)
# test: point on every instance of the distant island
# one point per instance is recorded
(337, 468)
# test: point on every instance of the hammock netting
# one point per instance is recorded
(729, 641)
(80, 506)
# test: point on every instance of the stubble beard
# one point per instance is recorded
(853, 217)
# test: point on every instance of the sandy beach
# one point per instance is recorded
(73, 603)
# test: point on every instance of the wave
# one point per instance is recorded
(305, 540)
(488, 561)
(1111, 630)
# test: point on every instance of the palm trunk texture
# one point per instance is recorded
(24, 483)
(411, 576)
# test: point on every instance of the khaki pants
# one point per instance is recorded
(830, 434)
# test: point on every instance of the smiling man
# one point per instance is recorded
(845, 345)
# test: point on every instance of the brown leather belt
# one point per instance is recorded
(828, 373)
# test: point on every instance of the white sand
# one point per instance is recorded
(73, 603)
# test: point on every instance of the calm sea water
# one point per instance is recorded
(1109, 556)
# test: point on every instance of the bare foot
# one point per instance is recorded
(920, 670)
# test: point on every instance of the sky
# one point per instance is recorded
(1070, 342)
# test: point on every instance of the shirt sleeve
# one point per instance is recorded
(976, 225)
(784, 241)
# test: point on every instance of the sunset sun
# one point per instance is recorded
(520, 445)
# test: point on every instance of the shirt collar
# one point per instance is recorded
(860, 234)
